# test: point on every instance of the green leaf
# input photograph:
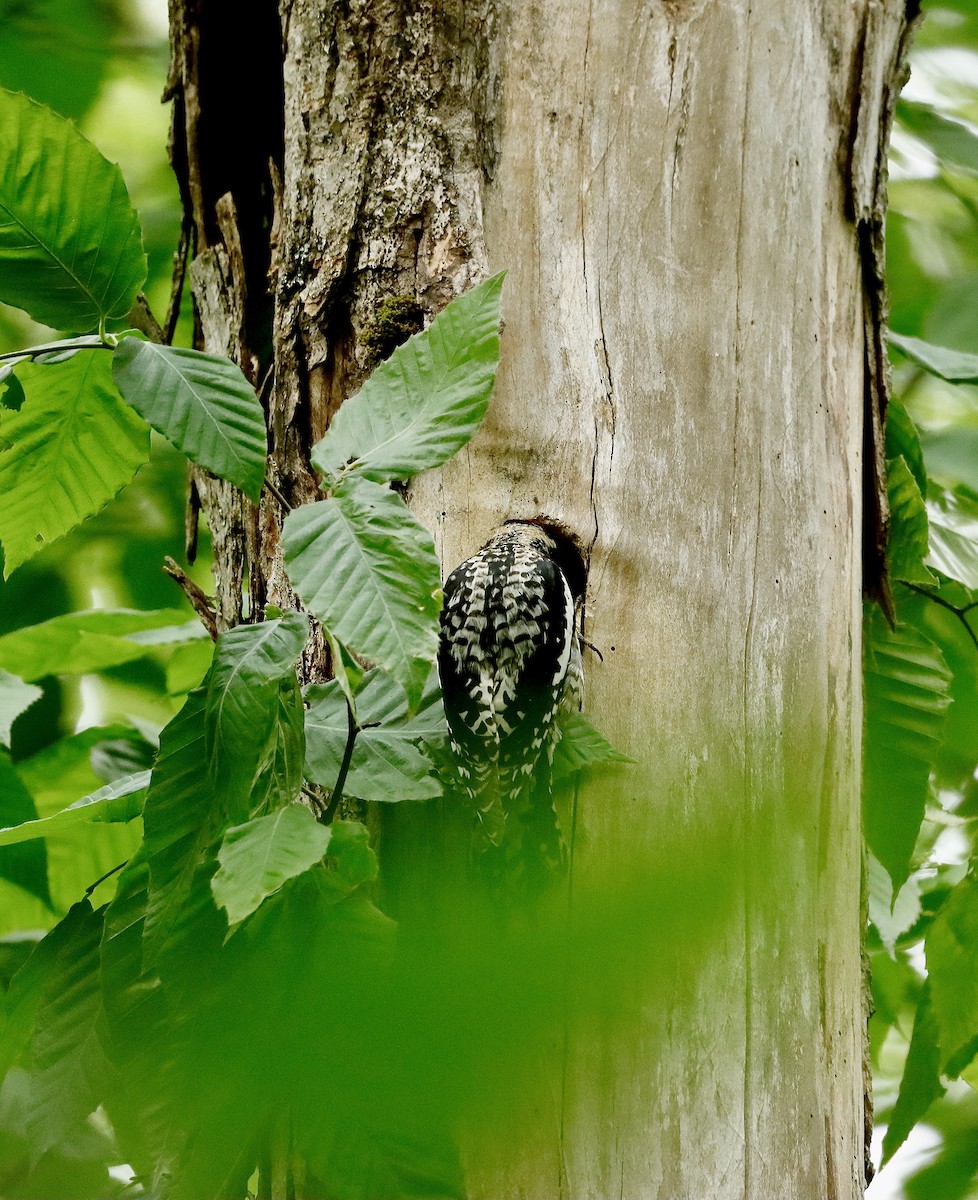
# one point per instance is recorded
(921, 1084)
(26, 866)
(11, 392)
(364, 565)
(201, 403)
(954, 537)
(85, 642)
(250, 664)
(906, 682)
(71, 251)
(16, 697)
(907, 546)
(952, 970)
(892, 918)
(68, 1064)
(388, 760)
(259, 857)
(72, 446)
(182, 819)
(952, 365)
(57, 51)
(119, 801)
(952, 455)
(426, 401)
(280, 782)
(581, 746)
(350, 860)
(902, 439)
(954, 143)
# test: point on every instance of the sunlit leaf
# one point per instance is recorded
(202, 403)
(71, 251)
(119, 801)
(890, 918)
(952, 968)
(363, 564)
(921, 1084)
(953, 523)
(83, 642)
(16, 697)
(261, 856)
(426, 401)
(906, 683)
(72, 446)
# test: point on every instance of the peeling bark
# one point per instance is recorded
(689, 198)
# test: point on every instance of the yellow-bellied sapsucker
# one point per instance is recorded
(510, 663)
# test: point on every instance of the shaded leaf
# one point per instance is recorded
(250, 663)
(952, 141)
(952, 969)
(201, 403)
(280, 782)
(182, 819)
(16, 697)
(953, 365)
(365, 566)
(69, 79)
(68, 1065)
(426, 401)
(72, 446)
(389, 761)
(26, 866)
(921, 1084)
(70, 244)
(350, 860)
(906, 684)
(907, 545)
(259, 857)
(581, 746)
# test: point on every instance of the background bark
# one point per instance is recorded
(688, 199)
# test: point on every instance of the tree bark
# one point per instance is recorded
(689, 199)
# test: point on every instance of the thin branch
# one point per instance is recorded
(108, 875)
(142, 317)
(960, 613)
(180, 259)
(351, 738)
(273, 491)
(199, 600)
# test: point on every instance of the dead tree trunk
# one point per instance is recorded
(688, 197)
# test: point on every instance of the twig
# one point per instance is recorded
(180, 258)
(199, 600)
(273, 491)
(351, 737)
(108, 875)
(144, 319)
(960, 613)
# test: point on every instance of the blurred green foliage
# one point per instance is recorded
(98, 721)
(932, 267)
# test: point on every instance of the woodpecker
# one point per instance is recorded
(510, 663)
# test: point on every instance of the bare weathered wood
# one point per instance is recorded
(681, 193)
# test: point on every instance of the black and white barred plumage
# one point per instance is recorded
(510, 661)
